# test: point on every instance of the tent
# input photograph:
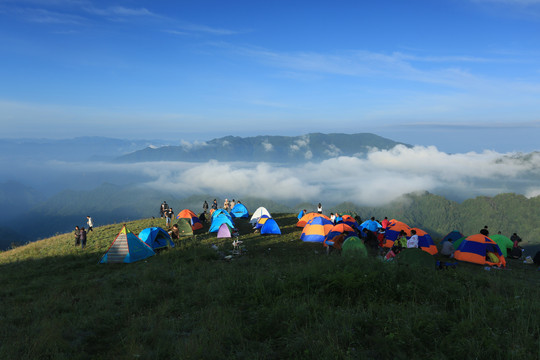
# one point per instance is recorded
(184, 225)
(425, 242)
(156, 238)
(504, 243)
(353, 246)
(392, 232)
(126, 248)
(192, 217)
(452, 236)
(258, 214)
(260, 223)
(239, 211)
(316, 229)
(218, 220)
(307, 217)
(270, 227)
(219, 212)
(336, 231)
(480, 249)
(349, 220)
(224, 231)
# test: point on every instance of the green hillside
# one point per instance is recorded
(280, 299)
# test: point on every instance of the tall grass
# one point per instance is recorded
(280, 299)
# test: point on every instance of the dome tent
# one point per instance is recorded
(477, 249)
(156, 238)
(270, 227)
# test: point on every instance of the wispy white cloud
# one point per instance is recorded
(267, 146)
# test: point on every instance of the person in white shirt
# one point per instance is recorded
(413, 240)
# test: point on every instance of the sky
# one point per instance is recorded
(460, 75)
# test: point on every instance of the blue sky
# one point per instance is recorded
(463, 75)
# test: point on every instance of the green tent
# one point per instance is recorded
(353, 246)
(503, 242)
(416, 257)
(458, 242)
(184, 225)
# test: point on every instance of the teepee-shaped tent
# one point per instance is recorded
(126, 248)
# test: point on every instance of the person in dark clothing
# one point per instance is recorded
(515, 239)
(77, 234)
(83, 237)
(371, 241)
(205, 206)
(214, 204)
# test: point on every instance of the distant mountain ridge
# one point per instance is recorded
(282, 149)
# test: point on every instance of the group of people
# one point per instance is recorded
(80, 233)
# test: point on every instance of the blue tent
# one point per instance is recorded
(239, 211)
(218, 220)
(270, 227)
(126, 248)
(452, 236)
(261, 221)
(156, 238)
(220, 212)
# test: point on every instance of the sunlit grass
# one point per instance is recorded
(280, 299)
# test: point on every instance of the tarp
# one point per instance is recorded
(309, 216)
(270, 227)
(475, 249)
(194, 220)
(258, 214)
(504, 243)
(224, 231)
(239, 211)
(316, 229)
(371, 225)
(126, 248)
(353, 246)
(156, 238)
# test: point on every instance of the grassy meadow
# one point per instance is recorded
(280, 299)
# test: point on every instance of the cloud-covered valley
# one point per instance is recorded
(371, 180)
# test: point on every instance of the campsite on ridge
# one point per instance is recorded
(276, 297)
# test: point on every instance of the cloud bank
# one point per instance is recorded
(372, 180)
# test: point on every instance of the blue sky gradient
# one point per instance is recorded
(463, 75)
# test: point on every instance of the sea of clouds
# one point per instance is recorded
(375, 179)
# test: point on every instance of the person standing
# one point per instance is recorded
(231, 204)
(214, 204)
(168, 217)
(90, 223)
(77, 234)
(205, 206)
(226, 205)
(83, 238)
(319, 208)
